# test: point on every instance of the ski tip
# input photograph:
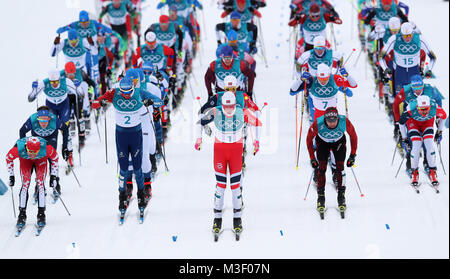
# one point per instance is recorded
(296, 168)
(362, 195)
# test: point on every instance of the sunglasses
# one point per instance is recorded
(148, 73)
(409, 36)
(229, 106)
(315, 15)
(43, 118)
(31, 152)
(233, 88)
(73, 42)
(54, 82)
(151, 44)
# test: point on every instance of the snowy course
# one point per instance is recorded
(390, 221)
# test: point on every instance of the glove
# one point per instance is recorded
(172, 81)
(57, 40)
(438, 137)
(76, 82)
(208, 130)
(108, 72)
(293, 7)
(156, 115)
(159, 76)
(147, 102)
(54, 181)
(12, 180)
(198, 144)
(90, 41)
(406, 145)
(66, 154)
(255, 147)
(343, 72)
(396, 130)
(351, 160)
(253, 50)
(314, 163)
(98, 104)
(224, 14)
(387, 73)
(305, 76)
(428, 74)
(160, 5)
(34, 85)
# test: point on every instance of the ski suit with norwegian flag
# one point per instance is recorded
(39, 164)
(228, 149)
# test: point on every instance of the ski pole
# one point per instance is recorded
(357, 183)
(106, 137)
(12, 197)
(64, 205)
(307, 189)
(296, 121)
(163, 153)
(74, 175)
(78, 114)
(96, 124)
(440, 156)
(401, 163)
(393, 157)
(301, 126)
(261, 41)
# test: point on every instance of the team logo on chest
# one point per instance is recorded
(127, 104)
(314, 26)
(165, 36)
(223, 75)
(74, 51)
(323, 91)
(408, 48)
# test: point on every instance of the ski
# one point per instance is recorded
(141, 215)
(216, 232)
(122, 217)
(416, 186)
(19, 229)
(342, 209)
(237, 232)
(39, 227)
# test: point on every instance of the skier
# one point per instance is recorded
(302, 6)
(385, 10)
(221, 68)
(161, 56)
(406, 48)
(309, 60)
(323, 88)
(129, 107)
(78, 102)
(247, 32)
(328, 131)
(229, 119)
(416, 123)
(74, 50)
(247, 10)
(118, 11)
(45, 124)
(33, 153)
(314, 24)
(240, 50)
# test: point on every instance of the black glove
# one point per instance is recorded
(172, 81)
(54, 181)
(438, 137)
(351, 160)
(396, 130)
(314, 163)
(159, 76)
(428, 74)
(12, 180)
(108, 72)
(66, 154)
(147, 102)
(57, 40)
(387, 73)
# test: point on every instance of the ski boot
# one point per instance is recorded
(129, 188)
(153, 161)
(87, 125)
(147, 189)
(81, 140)
(141, 199)
(409, 171)
(433, 177)
(237, 225)
(415, 177)
(41, 216)
(341, 201)
(72, 127)
(21, 220)
(123, 205)
(56, 191)
(321, 203)
(217, 226)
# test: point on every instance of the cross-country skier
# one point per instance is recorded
(248, 9)
(221, 68)
(385, 10)
(417, 123)
(33, 153)
(406, 47)
(129, 106)
(247, 32)
(46, 125)
(229, 119)
(328, 131)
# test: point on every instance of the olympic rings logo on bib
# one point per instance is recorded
(315, 63)
(56, 92)
(315, 26)
(118, 13)
(332, 134)
(153, 58)
(408, 48)
(223, 75)
(127, 104)
(165, 36)
(229, 125)
(74, 51)
(321, 91)
(43, 132)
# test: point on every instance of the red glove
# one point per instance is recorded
(258, 14)
(224, 14)
(96, 104)
(293, 22)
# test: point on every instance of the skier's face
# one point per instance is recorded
(84, 24)
(314, 16)
(424, 111)
(229, 109)
(151, 45)
(407, 38)
(332, 123)
(233, 43)
(235, 22)
(54, 83)
(319, 50)
(32, 154)
(43, 121)
(117, 3)
(323, 80)
(227, 60)
(73, 43)
(173, 15)
(386, 7)
(241, 5)
(164, 26)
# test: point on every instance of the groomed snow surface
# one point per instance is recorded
(391, 221)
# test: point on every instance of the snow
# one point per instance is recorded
(390, 221)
